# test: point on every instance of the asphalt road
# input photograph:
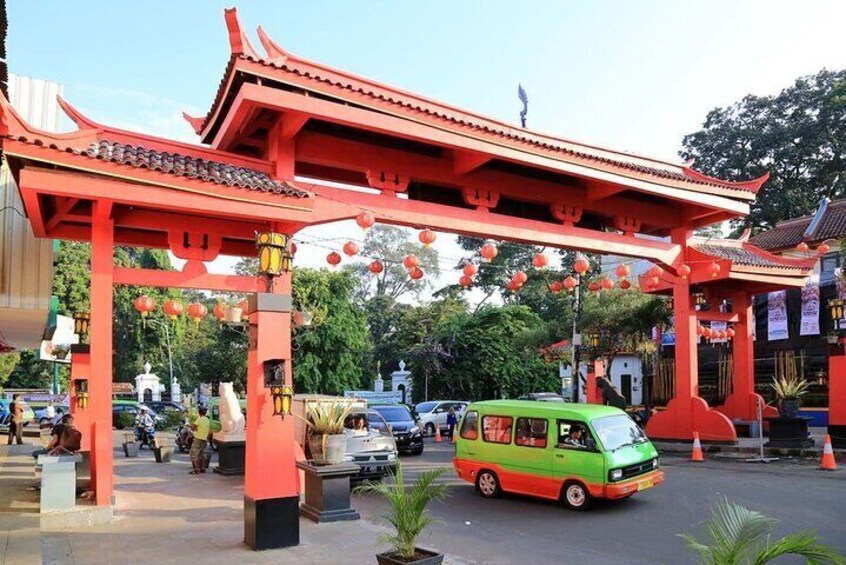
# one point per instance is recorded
(642, 529)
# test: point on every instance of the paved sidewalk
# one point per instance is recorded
(20, 539)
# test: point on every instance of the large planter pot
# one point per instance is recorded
(163, 454)
(233, 315)
(130, 448)
(424, 557)
(789, 408)
(328, 449)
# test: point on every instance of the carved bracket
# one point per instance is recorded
(481, 198)
(567, 215)
(627, 224)
(194, 246)
(388, 182)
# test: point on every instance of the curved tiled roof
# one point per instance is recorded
(784, 234)
(744, 255)
(787, 234)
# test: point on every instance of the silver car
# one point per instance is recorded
(434, 413)
(370, 444)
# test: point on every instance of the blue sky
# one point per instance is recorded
(634, 76)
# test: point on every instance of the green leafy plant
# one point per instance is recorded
(738, 536)
(787, 388)
(406, 510)
(327, 418)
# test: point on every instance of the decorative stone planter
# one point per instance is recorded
(789, 432)
(130, 448)
(163, 454)
(328, 449)
(230, 457)
(426, 558)
(327, 492)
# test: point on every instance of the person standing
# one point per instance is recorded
(201, 427)
(16, 422)
(452, 421)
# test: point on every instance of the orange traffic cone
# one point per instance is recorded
(437, 434)
(697, 449)
(828, 463)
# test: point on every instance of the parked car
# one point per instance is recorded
(162, 406)
(373, 449)
(543, 397)
(569, 452)
(6, 416)
(42, 417)
(406, 432)
(434, 413)
(131, 408)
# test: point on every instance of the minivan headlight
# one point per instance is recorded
(655, 463)
(615, 474)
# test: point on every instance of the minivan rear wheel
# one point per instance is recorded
(487, 483)
(576, 496)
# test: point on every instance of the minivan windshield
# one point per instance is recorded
(394, 413)
(618, 431)
(425, 407)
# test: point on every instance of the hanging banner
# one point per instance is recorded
(810, 309)
(669, 335)
(777, 320)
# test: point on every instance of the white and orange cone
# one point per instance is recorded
(437, 434)
(697, 449)
(827, 463)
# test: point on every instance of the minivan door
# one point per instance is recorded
(575, 455)
(531, 460)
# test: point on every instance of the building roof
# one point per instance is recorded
(288, 70)
(829, 222)
(748, 255)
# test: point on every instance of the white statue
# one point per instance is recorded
(231, 418)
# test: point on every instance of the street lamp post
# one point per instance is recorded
(167, 341)
(577, 338)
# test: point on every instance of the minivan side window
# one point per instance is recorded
(497, 429)
(572, 435)
(531, 432)
(470, 426)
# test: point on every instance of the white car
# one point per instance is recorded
(434, 413)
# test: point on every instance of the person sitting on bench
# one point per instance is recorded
(55, 436)
(70, 439)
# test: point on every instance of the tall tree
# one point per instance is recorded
(798, 135)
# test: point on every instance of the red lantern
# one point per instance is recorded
(172, 308)
(376, 267)
(197, 311)
(219, 310)
(365, 220)
(606, 283)
(822, 248)
(594, 286)
(427, 237)
(520, 277)
(625, 284)
(581, 265)
(707, 333)
(622, 271)
(556, 287)
(802, 247)
(539, 261)
(333, 259)
(570, 283)
(512, 286)
(416, 273)
(489, 251)
(293, 248)
(465, 281)
(244, 305)
(714, 269)
(470, 270)
(684, 271)
(350, 248)
(410, 261)
(655, 272)
(144, 304)
(700, 330)
(721, 334)
(730, 333)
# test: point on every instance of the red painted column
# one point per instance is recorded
(837, 394)
(80, 370)
(592, 395)
(100, 383)
(271, 492)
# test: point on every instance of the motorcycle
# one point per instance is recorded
(145, 436)
(184, 437)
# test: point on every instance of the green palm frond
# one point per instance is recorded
(327, 417)
(737, 536)
(406, 510)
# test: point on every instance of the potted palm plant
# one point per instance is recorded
(789, 391)
(738, 535)
(326, 440)
(407, 513)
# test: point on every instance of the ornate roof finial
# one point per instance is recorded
(238, 42)
(196, 123)
(76, 116)
(275, 53)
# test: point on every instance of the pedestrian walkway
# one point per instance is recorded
(20, 539)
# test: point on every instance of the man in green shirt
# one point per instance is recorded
(201, 427)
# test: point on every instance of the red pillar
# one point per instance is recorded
(100, 383)
(687, 413)
(592, 392)
(80, 371)
(271, 494)
(742, 402)
(837, 394)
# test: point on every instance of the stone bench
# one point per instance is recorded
(58, 481)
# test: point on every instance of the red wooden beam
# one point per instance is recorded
(192, 278)
(62, 210)
(709, 316)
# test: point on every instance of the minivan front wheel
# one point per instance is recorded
(487, 483)
(576, 496)
(430, 429)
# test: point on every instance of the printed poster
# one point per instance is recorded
(777, 312)
(669, 335)
(719, 327)
(810, 324)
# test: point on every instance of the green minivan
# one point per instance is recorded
(556, 450)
